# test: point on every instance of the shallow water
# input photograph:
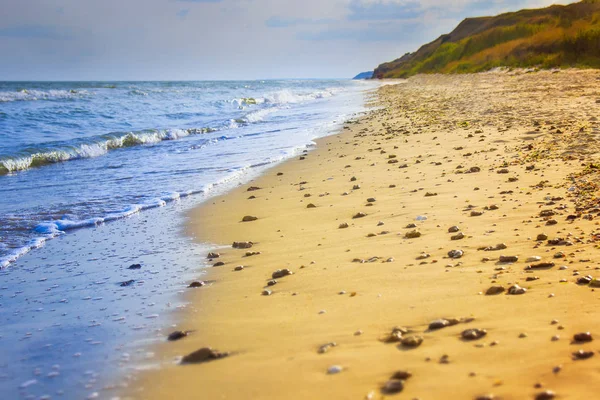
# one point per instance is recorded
(69, 330)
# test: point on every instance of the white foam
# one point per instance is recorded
(34, 95)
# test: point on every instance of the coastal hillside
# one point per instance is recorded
(556, 36)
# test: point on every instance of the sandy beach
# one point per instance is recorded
(444, 246)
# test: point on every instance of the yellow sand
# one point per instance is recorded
(433, 124)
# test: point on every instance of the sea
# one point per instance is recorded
(96, 179)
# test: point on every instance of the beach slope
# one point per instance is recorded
(394, 231)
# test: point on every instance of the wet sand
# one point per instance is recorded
(510, 159)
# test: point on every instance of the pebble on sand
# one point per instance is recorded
(249, 218)
(516, 289)
(583, 337)
(495, 290)
(335, 369)
(455, 253)
(197, 284)
(242, 245)
(173, 336)
(412, 341)
(203, 355)
(280, 273)
(473, 334)
(393, 386)
(545, 395)
(582, 355)
(326, 347)
(412, 235)
(343, 225)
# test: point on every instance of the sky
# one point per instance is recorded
(222, 39)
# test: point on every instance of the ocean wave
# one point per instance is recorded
(284, 96)
(89, 148)
(34, 95)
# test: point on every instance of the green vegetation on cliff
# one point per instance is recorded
(557, 36)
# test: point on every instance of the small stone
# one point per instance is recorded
(343, 225)
(516, 289)
(532, 278)
(266, 292)
(412, 341)
(545, 395)
(412, 235)
(242, 245)
(218, 264)
(311, 205)
(473, 334)
(542, 237)
(495, 290)
(326, 347)
(458, 236)
(557, 369)
(584, 280)
(439, 324)
(334, 369)
(393, 386)
(196, 284)
(203, 355)
(371, 200)
(271, 282)
(476, 213)
(396, 335)
(177, 335)
(486, 397)
(127, 283)
(522, 335)
(359, 215)
(453, 229)
(582, 355)
(135, 266)
(509, 259)
(410, 226)
(583, 337)
(455, 253)
(402, 375)
(555, 338)
(213, 255)
(249, 218)
(280, 273)
(239, 268)
(543, 265)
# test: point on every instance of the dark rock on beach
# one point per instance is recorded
(203, 355)
(177, 335)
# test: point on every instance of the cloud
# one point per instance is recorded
(183, 13)
(36, 32)
(384, 10)
(372, 32)
(281, 22)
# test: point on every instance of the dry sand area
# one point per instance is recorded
(444, 246)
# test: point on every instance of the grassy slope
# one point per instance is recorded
(556, 36)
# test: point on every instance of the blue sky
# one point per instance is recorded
(221, 39)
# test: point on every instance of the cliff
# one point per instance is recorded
(556, 36)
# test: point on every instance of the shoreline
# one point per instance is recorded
(274, 340)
